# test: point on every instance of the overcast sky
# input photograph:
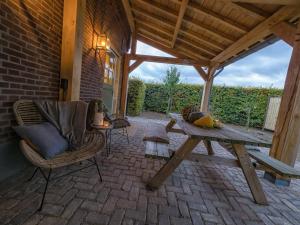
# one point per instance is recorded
(265, 68)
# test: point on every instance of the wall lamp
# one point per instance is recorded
(101, 43)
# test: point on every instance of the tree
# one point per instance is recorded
(171, 79)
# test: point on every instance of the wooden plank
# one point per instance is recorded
(250, 174)
(285, 145)
(186, 148)
(71, 50)
(207, 89)
(285, 31)
(133, 43)
(273, 2)
(274, 164)
(169, 60)
(219, 18)
(135, 65)
(183, 7)
(150, 149)
(208, 159)
(129, 15)
(162, 150)
(257, 34)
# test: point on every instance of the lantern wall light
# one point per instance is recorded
(101, 43)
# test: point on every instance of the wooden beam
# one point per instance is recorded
(182, 10)
(207, 89)
(286, 142)
(219, 18)
(71, 51)
(160, 8)
(201, 72)
(134, 65)
(151, 25)
(257, 34)
(129, 15)
(169, 60)
(199, 47)
(124, 87)
(133, 43)
(273, 2)
(285, 31)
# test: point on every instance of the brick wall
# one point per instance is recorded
(117, 29)
(30, 48)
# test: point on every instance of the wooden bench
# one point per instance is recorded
(275, 165)
(156, 142)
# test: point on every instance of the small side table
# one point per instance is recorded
(107, 129)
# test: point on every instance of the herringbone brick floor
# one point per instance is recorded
(195, 193)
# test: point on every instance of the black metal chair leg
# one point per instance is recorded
(32, 176)
(45, 190)
(98, 168)
(127, 135)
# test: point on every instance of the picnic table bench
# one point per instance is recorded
(237, 139)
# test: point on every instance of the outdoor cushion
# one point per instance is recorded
(156, 132)
(205, 121)
(193, 116)
(44, 137)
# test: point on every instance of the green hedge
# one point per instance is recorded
(135, 97)
(229, 104)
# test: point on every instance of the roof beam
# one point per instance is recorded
(257, 34)
(182, 10)
(159, 7)
(129, 15)
(285, 31)
(217, 17)
(274, 2)
(169, 60)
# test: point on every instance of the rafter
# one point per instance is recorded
(154, 26)
(159, 7)
(182, 10)
(198, 46)
(129, 15)
(257, 34)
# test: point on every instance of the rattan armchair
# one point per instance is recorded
(27, 113)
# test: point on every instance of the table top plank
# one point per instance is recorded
(224, 134)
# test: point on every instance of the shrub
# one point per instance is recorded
(229, 104)
(135, 97)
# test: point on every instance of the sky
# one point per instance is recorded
(265, 68)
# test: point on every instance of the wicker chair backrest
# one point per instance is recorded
(27, 113)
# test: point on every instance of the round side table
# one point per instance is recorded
(107, 129)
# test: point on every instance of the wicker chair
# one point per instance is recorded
(27, 113)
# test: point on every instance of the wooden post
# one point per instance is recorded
(133, 43)
(206, 95)
(124, 84)
(286, 142)
(71, 50)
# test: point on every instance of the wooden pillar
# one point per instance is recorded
(286, 139)
(71, 49)
(207, 90)
(124, 88)
(133, 43)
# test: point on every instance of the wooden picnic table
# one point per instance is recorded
(237, 139)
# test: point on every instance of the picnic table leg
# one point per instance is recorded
(167, 169)
(250, 174)
(208, 147)
(170, 125)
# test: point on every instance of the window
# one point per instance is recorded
(110, 68)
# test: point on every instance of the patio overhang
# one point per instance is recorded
(220, 32)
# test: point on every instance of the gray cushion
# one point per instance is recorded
(45, 138)
(156, 132)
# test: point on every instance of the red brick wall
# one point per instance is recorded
(117, 29)
(30, 48)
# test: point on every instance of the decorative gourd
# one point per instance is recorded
(205, 121)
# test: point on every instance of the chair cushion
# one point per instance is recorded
(157, 133)
(44, 137)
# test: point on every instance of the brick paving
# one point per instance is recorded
(195, 193)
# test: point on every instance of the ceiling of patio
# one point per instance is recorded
(215, 31)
